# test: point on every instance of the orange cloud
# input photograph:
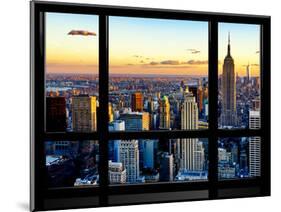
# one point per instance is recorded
(197, 62)
(82, 32)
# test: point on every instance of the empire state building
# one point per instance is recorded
(228, 116)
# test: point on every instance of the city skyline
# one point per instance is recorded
(160, 93)
(145, 46)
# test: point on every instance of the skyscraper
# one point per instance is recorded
(148, 154)
(55, 114)
(164, 113)
(254, 144)
(191, 151)
(166, 167)
(84, 113)
(113, 145)
(137, 102)
(189, 112)
(129, 157)
(116, 173)
(200, 94)
(199, 156)
(110, 113)
(135, 121)
(248, 70)
(228, 116)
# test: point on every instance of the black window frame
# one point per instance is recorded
(43, 198)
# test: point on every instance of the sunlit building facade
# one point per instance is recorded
(84, 113)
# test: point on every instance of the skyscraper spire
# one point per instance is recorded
(228, 46)
(228, 116)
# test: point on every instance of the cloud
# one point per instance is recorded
(197, 62)
(82, 32)
(253, 64)
(153, 63)
(194, 51)
(141, 61)
(170, 62)
(178, 63)
(178, 67)
(137, 56)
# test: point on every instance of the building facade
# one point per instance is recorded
(137, 102)
(116, 173)
(254, 145)
(164, 113)
(84, 113)
(229, 115)
(191, 151)
(129, 157)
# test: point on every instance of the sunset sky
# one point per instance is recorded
(245, 42)
(144, 46)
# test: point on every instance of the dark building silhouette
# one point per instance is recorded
(55, 114)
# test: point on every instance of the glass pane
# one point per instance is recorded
(71, 72)
(239, 157)
(158, 74)
(239, 74)
(72, 163)
(152, 160)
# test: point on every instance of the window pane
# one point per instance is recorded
(151, 161)
(239, 75)
(72, 163)
(158, 74)
(71, 72)
(239, 157)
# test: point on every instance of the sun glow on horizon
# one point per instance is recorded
(146, 46)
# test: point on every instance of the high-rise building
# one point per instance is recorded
(116, 125)
(55, 114)
(194, 90)
(148, 154)
(248, 71)
(199, 156)
(166, 167)
(135, 121)
(254, 145)
(113, 145)
(228, 116)
(189, 112)
(129, 157)
(191, 151)
(84, 113)
(61, 148)
(137, 102)
(150, 105)
(116, 173)
(243, 160)
(200, 99)
(110, 113)
(164, 113)
(222, 154)
(234, 153)
(256, 104)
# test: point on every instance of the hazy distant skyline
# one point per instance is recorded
(145, 46)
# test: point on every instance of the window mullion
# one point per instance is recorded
(103, 107)
(213, 99)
